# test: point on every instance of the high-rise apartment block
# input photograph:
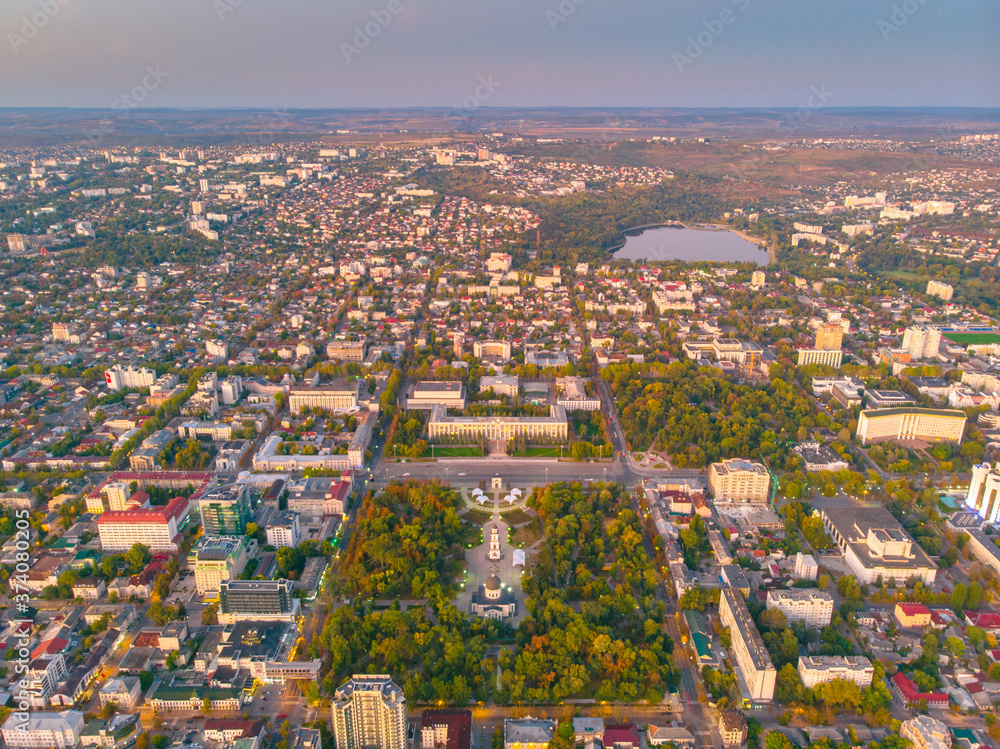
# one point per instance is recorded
(922, 342)
(830, 336)
(369, 711)
(756, 670)
(739, 480)
(814, 608)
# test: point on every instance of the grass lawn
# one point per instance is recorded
(516, 517)
(967, 338)
(539, 452)
(457, 452)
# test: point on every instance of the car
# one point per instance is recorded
(406, 475)
(281, 717)
(463, 474)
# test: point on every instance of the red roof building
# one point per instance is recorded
(621, 736)
(906, 692)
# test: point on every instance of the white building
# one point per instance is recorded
(124, 691)
(369, 710)
(119, 377)
(806, 567)
(819, 356)
(875, 545)
(819, 669)
(756, 671)
(156, 527)
(43, 730)
(922, 342)
(739, 480)
(940, 289)
(232, 390)
(284, 530)
(984, 492)
(814, 608)
(926, 732)
(926, 424)
(499, 384)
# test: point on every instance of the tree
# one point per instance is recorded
(776, 740)
(206, 706)
(773, 619)
(839, 694)
(142, 741)
(160, 742)
(137, 558)
(973, 595)
(955, 646)
(958, 596)
(788, 686)
(210, 615)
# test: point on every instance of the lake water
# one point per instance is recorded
(681, 243)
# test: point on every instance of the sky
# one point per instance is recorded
(499, 53)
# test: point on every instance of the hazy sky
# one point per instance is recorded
(336, 53)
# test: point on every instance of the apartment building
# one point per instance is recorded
(754, 666)
(826, 357)
(369, 710)
(940, 289)
(219, 558)
(119, 377)
(819, 669)
(284, 530)
(739, 480)
(830, 337)
(925, 424)
(922, 342)
(346, 351)
(814, 608)
(43, 730)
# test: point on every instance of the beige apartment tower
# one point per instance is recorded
(830, 337)
(369, 711)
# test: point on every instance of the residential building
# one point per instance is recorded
(43, 730)
(158, 528)
(819, 457)
(819, 669)
(585, 729)
(225, 511)
(369, 711)
(134, 378)
(983, 548)
(739, 480)
(906, 693)
(123, 691)
(814, 608)
(806, 567)
(264, 600)
(924, 424)
(284, 530)
(446, 729)
(940, 289)
(755, 669)
(679, 736)
(922, 342)
(826, 357)
(733, 727)
(621, 736)
(875, 545)
(830, 337)
(441, 426)
(925, 732)
(984, 492)
(346, 351)
(41, 678)
(912, 615)
(528, 733)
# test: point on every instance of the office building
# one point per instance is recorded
(493, 351)
(552, 428)
(283, 530)
(739, 480)
(925, 732)
(571, 394)
(830, 337)
(528, 733)
(875, 545)
(826, 357)
(225, 511)
(217, 558)
(819, 669)
(814, 608)
(924, 424)
(425, 395)
(43, 730)
(335, 396)
(755, 670)
(369, 711)
(124, 691)
(264, 600)
(912, 615)
(158, 528)
(888, 399)
(499, 384)
(119, 377)
(940, 289)
(922, 342)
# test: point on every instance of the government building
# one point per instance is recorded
(875, 545)
(553, 428)
(335, 396)
(924, 424)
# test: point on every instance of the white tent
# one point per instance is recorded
(483, 499)
(476, 492)
(516, 492)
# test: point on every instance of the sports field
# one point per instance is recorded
(967, 338)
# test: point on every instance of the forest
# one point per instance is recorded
(595, 628)
(698, 416)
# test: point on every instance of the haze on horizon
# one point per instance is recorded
(405, 53)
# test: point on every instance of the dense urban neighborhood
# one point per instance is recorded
(496, 441)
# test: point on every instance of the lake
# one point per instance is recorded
(682, 243)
